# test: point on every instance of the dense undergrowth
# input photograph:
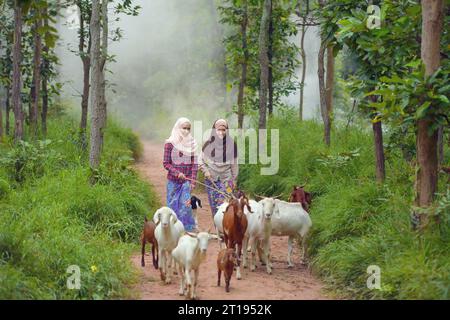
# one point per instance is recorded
(51, 218)
(357, 223)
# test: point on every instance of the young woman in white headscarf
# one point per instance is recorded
(219, 164)
(181, 162)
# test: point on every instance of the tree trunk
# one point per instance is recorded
(85, 59)
(270, 56)
(322, 93)
(243, 82)
(17, 77)
(379, 151)
(303, 77)
(46, 65)
(36, 76)
(104, 56)
(44, 105)
(329, 82)
(427, 157)
(8, 108)
(96, 107)
(85, 100)
(303, 56)
(264, 63)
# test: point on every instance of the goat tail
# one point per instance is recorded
(145, 219)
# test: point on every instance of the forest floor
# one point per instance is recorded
(285, 283)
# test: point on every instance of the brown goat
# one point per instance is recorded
(148, 236)
(226, 260)
(300, 195)
(235, 225)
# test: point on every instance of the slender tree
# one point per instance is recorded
(36, 88)
(45, 67)
(103, 60)
(243, 80)
(84, 50)
(96, 78)
(377, 128)
(303, 29)
(7, 111)
(427, 135)
(324, 108)
(270, 53)
(264, 62)
(17, 76)
(329, 83)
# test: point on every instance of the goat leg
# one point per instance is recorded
(238, 271)
(143, 252)
(244, 259)
(290, 249)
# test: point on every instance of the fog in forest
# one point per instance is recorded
(167, 65)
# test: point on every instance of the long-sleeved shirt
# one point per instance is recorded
(175, 162)
(219, 170)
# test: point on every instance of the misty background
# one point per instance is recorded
(167, 65)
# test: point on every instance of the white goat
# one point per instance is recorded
(189, 254)
(258, 233)
(288, 219)
(218, 219)
(167, 232)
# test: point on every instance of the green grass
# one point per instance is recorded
(53, 218)
(357, 223)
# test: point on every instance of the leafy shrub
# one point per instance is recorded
(28, 160)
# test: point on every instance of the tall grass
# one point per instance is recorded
(356, 222)
(53, 218)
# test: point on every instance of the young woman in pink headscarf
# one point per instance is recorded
(181, 163)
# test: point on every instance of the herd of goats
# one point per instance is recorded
(240, 222)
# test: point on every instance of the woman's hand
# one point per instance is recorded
(181, 176)
(208, 175)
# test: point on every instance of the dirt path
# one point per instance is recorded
(283, 284)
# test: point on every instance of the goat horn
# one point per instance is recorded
(257, 195)
(278, 196)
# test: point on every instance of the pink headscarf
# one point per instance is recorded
(187, 144)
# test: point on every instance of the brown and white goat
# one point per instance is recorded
(226, 260)
(234, 227)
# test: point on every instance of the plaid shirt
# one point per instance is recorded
(175, 162)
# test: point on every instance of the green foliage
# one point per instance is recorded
(56, 219)
(284, 53)
(388, 62)
(29, 160)
(357, 223)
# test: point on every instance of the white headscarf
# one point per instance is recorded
(187, 144)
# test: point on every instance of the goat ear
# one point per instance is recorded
(249, 208)
(174, 218)
(157, 216)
